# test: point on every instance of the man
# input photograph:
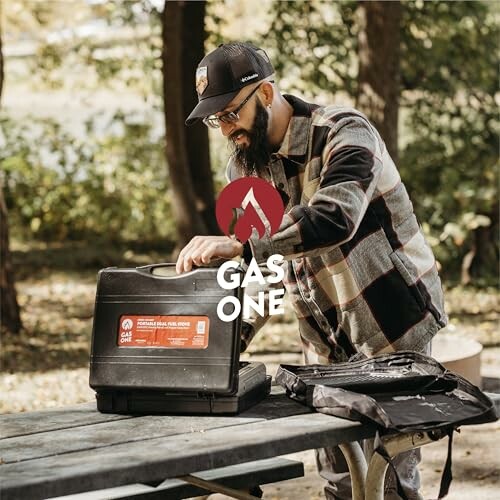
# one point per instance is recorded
(359, 273)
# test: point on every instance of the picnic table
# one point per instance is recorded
(63, 451)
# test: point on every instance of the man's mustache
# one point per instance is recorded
(238, 132)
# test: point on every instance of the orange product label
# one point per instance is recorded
(178, 332)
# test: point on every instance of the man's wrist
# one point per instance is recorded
(238, 245)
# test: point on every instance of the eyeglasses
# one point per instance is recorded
(213, 121)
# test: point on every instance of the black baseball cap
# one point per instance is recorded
(223, 73)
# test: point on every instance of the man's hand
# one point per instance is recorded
(203, 249)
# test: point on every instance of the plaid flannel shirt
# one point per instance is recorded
(358, 271)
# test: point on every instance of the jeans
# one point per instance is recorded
(333, 467)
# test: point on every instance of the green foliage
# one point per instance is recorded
(449, 118)
(313, 45)
(214, 23)
(110, 44)
(450, 157)
(110, 187)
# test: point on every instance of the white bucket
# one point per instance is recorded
(459, 354)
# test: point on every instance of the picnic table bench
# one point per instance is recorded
(64, 451)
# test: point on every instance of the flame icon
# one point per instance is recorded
(261, 204)
(127, 324)
(250, 219)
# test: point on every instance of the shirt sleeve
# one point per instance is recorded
(350, 171)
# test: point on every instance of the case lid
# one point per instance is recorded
(154, 329)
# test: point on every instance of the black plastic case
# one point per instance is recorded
(153, 379)
(254, 385)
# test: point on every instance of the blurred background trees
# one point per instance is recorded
(93, 144)
(444, 75)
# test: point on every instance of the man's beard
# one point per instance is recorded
(254, 158)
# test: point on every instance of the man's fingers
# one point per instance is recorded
(179, 265)
(203, 249)
(187, 265)
(208, 253)
(191, 254)
(189, 247)
(184, 261)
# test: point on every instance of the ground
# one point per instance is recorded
(46, 366)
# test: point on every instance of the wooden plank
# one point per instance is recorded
(103, 434)
(236, 476)
(264, 471)
(157, 459)
(92, 437)
(20, 424)
(120, 492)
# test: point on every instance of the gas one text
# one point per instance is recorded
(274, 297)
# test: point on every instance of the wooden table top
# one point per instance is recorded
(73, 449)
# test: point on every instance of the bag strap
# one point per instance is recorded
(447, 476)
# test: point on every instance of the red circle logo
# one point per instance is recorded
(246, 204)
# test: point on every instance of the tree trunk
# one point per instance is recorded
(481, 261)
(9, 308)
(379, 69)
(193, 40)
(1, 56)
(187, 152)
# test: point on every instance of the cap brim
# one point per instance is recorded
(210, 106)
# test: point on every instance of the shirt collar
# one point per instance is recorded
(295, 141)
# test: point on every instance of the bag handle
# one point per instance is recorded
(163, 270)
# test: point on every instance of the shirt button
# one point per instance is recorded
(265, 255)
(281, 185)
(298, 260)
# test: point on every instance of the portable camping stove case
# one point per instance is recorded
(158, 345)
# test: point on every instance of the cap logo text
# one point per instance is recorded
(250, 77)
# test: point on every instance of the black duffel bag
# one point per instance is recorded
(399, 392)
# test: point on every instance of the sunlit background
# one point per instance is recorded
(84, 167)
(87, 178)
